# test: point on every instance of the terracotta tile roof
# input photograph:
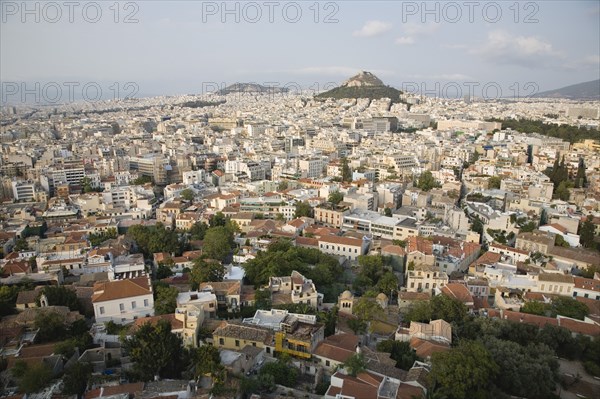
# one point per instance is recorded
(587, 284)
(337, 347)
(510, 249)
(130, 389)
(580, 327)
(487, 259)
(555, 277)
(244, 331)
(110, 290)
(307, 242)
(419, 244)
(297, 223)
(175, 324)
(425, 349)
(393, 250)
(559, 227)
(459, 292)
(229, 287)
(16, 267)
(341, 241)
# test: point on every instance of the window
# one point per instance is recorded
(237, 342)
(122, 307)
(221, 341)
(327, 363)
(101, 309)
(145, 302)
(133, 305)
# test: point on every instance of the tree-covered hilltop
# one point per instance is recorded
(370, 92)
(569, 133)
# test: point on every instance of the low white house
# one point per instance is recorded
(557, 229)
(123, 301)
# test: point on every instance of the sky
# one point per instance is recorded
(185, 47)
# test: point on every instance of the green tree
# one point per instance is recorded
(569, 307)
(494, 182)
(367, 309)
(559, 241)
(140, 181)
(335, 197)
(346, 172)
(164, 269)
(587, 232)
(477, 225)
(155, 351)
(35, 378)
(187, 194)
(401, 352)
(52, 327)
(21, 245)
(87, 185)
(388, 284)
(465, 371)
(206, 361)
(76, 379)
(355, 364)
(165, 299)
(303, 209)
(536, 307)
(562, 192)
(206, 270)
(60, 296)
(282, 372)
(387, 212)
(218, 242)
(262, 299)
(358, 326)
(580, 177)
(98, 238)
(218, 219)
(198, 231)
(282, 186)
(527, 371)
(439, 307)
(329, 318)
(426, 181)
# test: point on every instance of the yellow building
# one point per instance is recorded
(235, 336)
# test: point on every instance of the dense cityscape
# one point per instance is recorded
(356, 241)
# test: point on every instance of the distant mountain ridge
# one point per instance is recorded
(362, 85)
(251, 88)
(580, 91)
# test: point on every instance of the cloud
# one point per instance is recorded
(450, 77)
(344, 71)
(405, 40)
(527, 51)
(585, 63)
(414, 31)
(372, 28)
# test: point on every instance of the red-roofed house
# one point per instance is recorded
(123, 301)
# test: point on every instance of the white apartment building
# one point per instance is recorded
(23, 190)
(312, 167)
(123, 301)
(347, 247)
